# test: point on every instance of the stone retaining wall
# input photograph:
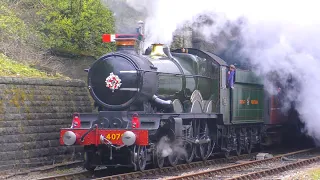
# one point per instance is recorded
(32, 111)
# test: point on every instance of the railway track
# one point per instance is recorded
(259, 168)
(236, 167)
(42, 170)
(73, 176)
(153, 172)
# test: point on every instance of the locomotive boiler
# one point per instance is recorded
(177, 98)
(158, 82)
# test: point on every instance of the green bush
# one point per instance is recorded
(12, 28)
(76, 25)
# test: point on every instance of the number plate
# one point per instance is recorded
(113, 136)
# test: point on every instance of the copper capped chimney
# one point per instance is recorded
(126, 44)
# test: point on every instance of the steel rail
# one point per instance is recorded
(44, 169)
(237, 167)
(177, 168)
(181, 168)
(138, 174)
(78, 175)
(276, 170)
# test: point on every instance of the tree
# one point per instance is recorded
(76, 25)
(11, 27)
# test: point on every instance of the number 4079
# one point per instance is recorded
(113, 136)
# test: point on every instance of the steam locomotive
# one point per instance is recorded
(151, 104)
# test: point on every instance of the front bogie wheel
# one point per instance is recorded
(158, 159)
(141, 158)
(88, 161)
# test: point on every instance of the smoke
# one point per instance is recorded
(275, 36)
(168, 148)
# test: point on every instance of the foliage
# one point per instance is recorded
(76, 25)
(12, 28)
(15, 69)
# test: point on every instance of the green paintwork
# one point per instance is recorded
(224, 96)
(215, 97)
(247, 85)
(247, 98)
(195, 72)
(226, 101)
(247, 103)
(248, 77)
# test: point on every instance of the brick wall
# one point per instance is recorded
(31, 113)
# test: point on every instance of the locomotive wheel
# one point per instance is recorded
(248, 143)
(239, 145)
(141, 158)
(87, 161)
(173, 158)
(228, 145)
(204, 149)
(190, 151)
(257, 145)
(227, 154)
(189, 146)
(158, 160)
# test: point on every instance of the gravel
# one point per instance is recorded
(190, 171)
(296, 174)
(37, 175)
(269, 165)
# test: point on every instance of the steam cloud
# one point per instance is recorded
(281, 36)
(166, 148)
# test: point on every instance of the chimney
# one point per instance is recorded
(157, 50)
(125, 43)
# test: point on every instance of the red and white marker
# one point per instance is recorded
(106, 38)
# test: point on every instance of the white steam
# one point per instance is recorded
(165, 16)
(282, 36)
(166, 148)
